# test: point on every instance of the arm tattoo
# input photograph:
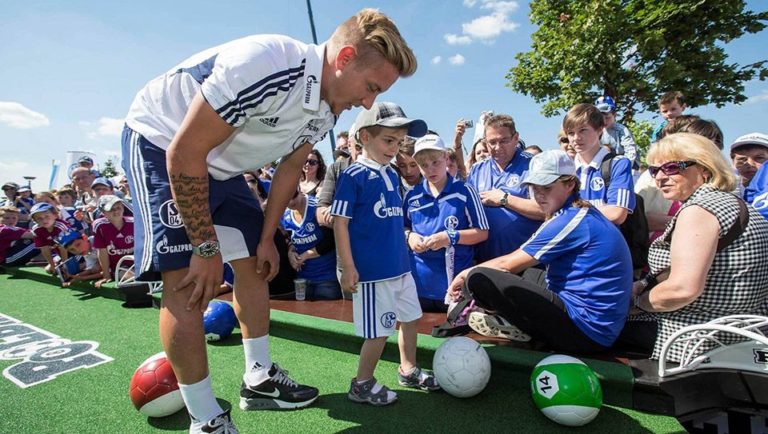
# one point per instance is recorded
(191, 196)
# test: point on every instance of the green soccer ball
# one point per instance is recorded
(566, 390)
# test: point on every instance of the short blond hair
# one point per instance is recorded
(374, 34)
(693, 147)
(9, 209)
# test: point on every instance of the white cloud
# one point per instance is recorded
(16, 115)
(486, 28)
(500, 6)
(761, 97)
(456, 60)
(436, 60)
(104, 127)
(452, 39)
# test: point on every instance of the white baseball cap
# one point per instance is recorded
(758, 139)
(548, 166)
(430, 141)
(389, 114)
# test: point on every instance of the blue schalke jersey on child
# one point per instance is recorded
(457, 207)
(306, 235)
(508, 229)
(367, 193)
(588, 266)
(621, 191)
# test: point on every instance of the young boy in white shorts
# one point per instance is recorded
(368, 227)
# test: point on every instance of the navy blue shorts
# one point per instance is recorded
(161, 242)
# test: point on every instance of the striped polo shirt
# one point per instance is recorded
(266, 86)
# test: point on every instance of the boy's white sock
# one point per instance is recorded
(201, 403)
(257, 359)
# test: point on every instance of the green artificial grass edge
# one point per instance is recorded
(616, 379)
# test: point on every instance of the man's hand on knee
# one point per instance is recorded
(204, 275)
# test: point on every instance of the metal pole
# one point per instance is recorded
(331, 134)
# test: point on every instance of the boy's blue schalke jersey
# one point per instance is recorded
(368, 194)
(757, 191)
(306, 235)
(508, 229)
(588, 266)
(457, 207)
(620, 193)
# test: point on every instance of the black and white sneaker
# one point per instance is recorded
(278, 392)
(221, 424)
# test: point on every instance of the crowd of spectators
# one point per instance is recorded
(536, 238)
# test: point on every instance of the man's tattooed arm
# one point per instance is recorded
(191, 196)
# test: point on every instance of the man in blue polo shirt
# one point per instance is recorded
(512, 215)
(190, 134)
(444, 219)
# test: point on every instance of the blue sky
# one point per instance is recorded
(71, 69)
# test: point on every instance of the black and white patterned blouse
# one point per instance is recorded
(737, 282)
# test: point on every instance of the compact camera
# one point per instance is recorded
(469, 123)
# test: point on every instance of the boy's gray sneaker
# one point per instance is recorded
(418, 379)
(371, 392)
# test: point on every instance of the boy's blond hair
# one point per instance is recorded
(581, 114)
(374, 35)
(8, 209)
(46, 194)
(672, 96)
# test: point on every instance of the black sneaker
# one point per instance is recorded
(276, 392)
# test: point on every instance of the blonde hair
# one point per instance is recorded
(693, 147)
(9, 209)
(581, 114)
(46, 194)
(373, 34)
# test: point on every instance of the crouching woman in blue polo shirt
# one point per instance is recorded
(581, 303)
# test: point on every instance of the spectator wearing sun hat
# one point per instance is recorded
(14, 198)
(87, 162)
(616, 135)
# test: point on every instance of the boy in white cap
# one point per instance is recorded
(368, 226)
(112, 236)
(47, 228)
(748, 153)
(444, 219)
(754, 146)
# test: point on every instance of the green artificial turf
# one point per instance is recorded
(96, 400)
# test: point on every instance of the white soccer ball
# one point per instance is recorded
(462, 367)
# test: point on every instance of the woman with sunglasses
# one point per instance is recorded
(582, 304)
(708, 263)
(312, 174)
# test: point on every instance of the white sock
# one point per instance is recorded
(257, 359)
(201, 403)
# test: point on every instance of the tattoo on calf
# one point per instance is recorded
(191, 196)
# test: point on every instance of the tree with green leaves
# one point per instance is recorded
(634, 51)
(109, 169)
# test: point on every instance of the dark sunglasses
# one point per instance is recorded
(564, 140)
(252, 181)
(312, 162)
(670, 168)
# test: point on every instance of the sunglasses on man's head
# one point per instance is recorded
(564, 140)
(670, 168)
(312, 162)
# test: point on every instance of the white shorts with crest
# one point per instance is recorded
(378, 306)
